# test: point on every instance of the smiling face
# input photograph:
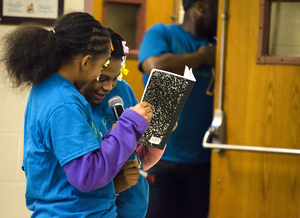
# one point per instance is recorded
(95, 91)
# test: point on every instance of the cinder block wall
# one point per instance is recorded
(12, 107)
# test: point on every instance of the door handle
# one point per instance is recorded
(216, 131)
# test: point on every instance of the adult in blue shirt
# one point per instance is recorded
(182, 176)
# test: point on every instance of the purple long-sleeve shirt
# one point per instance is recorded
(96, 169)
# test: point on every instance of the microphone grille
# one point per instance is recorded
(114, 101)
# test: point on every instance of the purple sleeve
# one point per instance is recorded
(96, 169)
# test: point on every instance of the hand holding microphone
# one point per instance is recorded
(127, 177)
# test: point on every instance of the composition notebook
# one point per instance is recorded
(167, 93)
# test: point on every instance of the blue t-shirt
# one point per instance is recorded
(59, 127)
(132, 202)
(185, 143)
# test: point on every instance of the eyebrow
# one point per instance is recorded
(105, 76)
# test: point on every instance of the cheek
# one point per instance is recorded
(97, 71)
(94, 74)
(95, 86)
(114, 83)
(91, 87)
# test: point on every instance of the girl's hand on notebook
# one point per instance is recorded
(144, 109)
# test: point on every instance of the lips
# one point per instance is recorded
(99, 96)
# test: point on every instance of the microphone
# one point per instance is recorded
(116, 104)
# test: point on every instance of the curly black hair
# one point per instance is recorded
(32, 53)
(116, 40)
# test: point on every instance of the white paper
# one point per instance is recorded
(188, 73)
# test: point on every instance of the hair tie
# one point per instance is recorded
(125, 48)
(111, 46)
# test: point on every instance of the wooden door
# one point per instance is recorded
(262, 107)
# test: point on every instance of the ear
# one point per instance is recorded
(200, 6)
(86, 61)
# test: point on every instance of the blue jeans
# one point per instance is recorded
(179, 190)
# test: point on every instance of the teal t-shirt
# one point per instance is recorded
(59, 127)
(132, 202)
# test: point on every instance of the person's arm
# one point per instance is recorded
(176, 63)
(149, 156)
(97, 168)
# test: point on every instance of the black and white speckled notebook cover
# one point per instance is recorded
(167, 93)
